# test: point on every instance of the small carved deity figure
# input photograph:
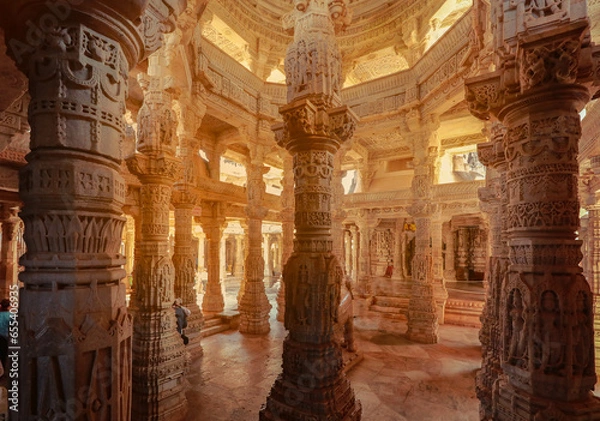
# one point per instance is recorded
(542, 8)
(517, 347)
(301, 296)
(549, 342)
(581, 334)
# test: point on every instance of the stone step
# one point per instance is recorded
(213, 330)
(215, 321)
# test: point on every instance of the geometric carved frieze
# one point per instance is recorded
(77, 178)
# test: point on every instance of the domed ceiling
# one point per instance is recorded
(385, 36)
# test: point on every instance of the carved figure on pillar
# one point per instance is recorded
(543, 84)
(315, 125)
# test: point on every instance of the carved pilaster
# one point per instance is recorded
(254, 304)
(546, 306)
(315, 125)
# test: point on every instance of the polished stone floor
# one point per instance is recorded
(397, 380)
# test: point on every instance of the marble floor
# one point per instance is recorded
(397, 380)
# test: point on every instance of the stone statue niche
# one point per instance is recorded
(382, 250)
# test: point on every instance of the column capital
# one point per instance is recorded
(138, 25)
(310, 125)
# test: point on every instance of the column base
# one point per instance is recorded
(254, 310)
(311, 387)
(159, 364)
(422, 315)
(213, 303)
(511, 404)
(194, 331)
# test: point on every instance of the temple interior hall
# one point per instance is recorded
(372, 209)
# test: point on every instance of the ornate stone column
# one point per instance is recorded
(75, 333)
(184, 200)
(365, 229)
(238, 269)
(338, 213)
(244, 225)
(312, 384)
(213, 224)
(287, 225)
(440, 292)
(254, 304)
(9, 261)
(422, 312)
(347, 236)
(448, 236)
(158, 351)
(493, 201)
(129, 247)
(354, 254)
(546, 313)
(590, 185)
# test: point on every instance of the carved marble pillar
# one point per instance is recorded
(354, 253)
(493, 201)
(398, 247)
(238, 268)
(338, 212)
(129, 248)
(254, 305)
(312, 384)
(448, 236)
(265, 254)
(422, 312)
(185, 267)
(347, 252)
(213, 224)
(158, 351)
(439, 287)
(75, 333)
(9, 261)
(590, 186)
(546, 314)
(594, 270)
(365, 229)
(244, 225)
(287, 225)
(184, 200)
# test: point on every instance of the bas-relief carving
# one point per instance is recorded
(545, 304)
